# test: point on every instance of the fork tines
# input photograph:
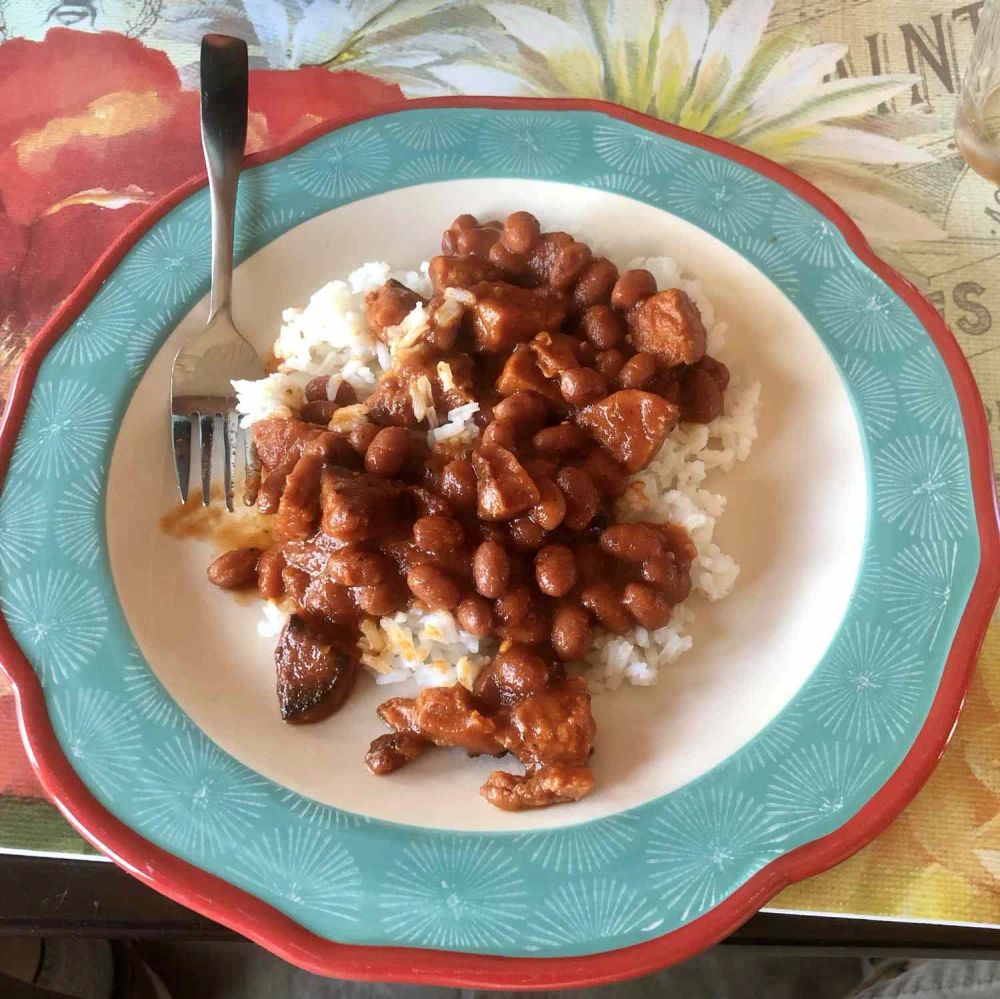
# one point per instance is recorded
(205, 418)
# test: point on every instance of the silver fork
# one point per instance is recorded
(200, 389)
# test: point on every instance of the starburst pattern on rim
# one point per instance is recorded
(59, 618)
(863, 313)
(822, 782)
(432, 132)
(722, 196)
(917, 588)
(146, 694)
(195, 798)
(171, 264)
(260, 228)
(78, 518)
(100, 735)
(632, 150)
(580, 849)
(806, 234)
(342, 165)
(22, 525)
(625, 184)
(598, 909)
(100, 330)
(770, 745)
(67, 424)
(315, 813)
(305, 867)
(873, 394)
(869, 582)
(705, 843)
(921, 486)
(772, 259)
(523, 143)
(454, 893)
(928, 394)
(436, 166)
(145, 340)
(869, 685)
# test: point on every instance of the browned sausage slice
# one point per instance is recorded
(315, 675)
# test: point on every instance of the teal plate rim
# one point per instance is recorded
(576, 905)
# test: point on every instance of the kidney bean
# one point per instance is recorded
(718, 371)
(637, 371)
(520, 620)
(512, 263)
(569, 264)
(608, 475)
(319, 411)
(475, 615)
(610, 363)
(476, 242)
(356, 567)
(649, 608)
(235, 570)
(501, 433)
(435, 588)
(361, 436)
(520, 232)
(541, 467)
(491, 569)
(316, 389)
(379, 599)
(670, 576)
(332, 600)
(458, 484)
(602, 600)
(523, 410)
(571, 631)
(555, 570)
(550, 510)
(437, 534)
(701, 400)
(269, 568)
(563, 438)
(582, 499)
(388, 451)
(593, 287)
(525, 533)
(602, 327)
(631, 288)
(582, 385)
(633, 542)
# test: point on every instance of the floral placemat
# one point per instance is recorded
(98, 118)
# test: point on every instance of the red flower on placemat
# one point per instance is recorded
(94, 127)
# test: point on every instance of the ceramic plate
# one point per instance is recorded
(814, 703)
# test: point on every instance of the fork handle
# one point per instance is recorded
(223, 138)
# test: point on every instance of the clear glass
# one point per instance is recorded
(977, 124)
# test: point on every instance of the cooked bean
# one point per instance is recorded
(361, 436)
(520, 619)
(560, 439)
(555, 570)
(609, 477)
(269, 568)
(631, 288)
(387, 453)
(637, 371)
(435, 588)
(633, 542)
(525, 533)
(550, 510)
(316, 389)
(571, 631)
(593, 287)
(332, 600)
(514, 604)
(541, 467)
(438, 534)
(602, 600)
(379, 599)
(582, 385)
(501, 433)
(669, 576)
(491, 569)
(582, 499)
(319, 411)
(346, 395)
(458, 483)
(525, 411)
(517, 672)
(356, 567)
(427, 503)
(476, 242)
(610, 363)
(569, 264)
(718, 371)
(648, 607)
(602, 327)
(520, 232)
(475, 615)
(295, 581)
(506, 259)
(235, 570)
(700, 397)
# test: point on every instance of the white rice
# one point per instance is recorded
(329, 337)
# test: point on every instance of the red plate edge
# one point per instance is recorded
(247, 915)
